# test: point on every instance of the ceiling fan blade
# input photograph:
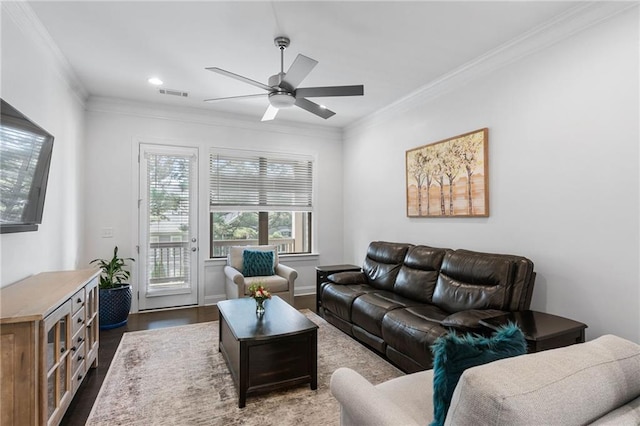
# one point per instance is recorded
(299, 70)
(270, 113)
(311, 92)
(314, 108)
(259, 95)
(239, 77)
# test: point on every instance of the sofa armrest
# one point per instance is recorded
(361, 402)
(470, 319)
(348, 277)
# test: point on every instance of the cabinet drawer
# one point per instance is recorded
(78, 340)
(77, 322)
(78, 357)
(77, 377)
(78, 300)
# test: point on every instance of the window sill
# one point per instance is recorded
(287, 257)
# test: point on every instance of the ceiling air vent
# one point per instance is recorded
(173, 92)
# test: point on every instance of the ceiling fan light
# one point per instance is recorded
(281, 99)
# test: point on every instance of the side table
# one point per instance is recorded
(543, 331)
(322, 272)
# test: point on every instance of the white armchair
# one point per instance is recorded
(237, 285)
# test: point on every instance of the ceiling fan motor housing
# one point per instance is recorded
(281, 99)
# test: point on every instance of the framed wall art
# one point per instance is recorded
(449, 178)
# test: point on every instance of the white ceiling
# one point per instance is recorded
(391, 47)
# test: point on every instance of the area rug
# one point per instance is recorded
(176, 376)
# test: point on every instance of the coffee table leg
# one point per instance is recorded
(314, 360)
(243, 380)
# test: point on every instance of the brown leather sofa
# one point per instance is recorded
(406, 296)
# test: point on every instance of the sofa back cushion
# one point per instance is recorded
(472, 280)
(382, 264)
(574, 385)
(418, 274)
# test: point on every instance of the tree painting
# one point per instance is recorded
(452, 174)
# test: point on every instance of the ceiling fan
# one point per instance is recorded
(283, 90)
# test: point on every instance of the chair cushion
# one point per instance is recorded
(258, 263)
(234, 259)
(273, 283)
(452, 354)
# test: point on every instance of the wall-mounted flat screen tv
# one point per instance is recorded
(25, 156)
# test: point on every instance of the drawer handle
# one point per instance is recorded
(79, 377)
(80, 339)
(80, 357)
(80, 320)
(73, 349)
(79, 300)
(62, 350)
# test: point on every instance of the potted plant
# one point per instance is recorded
(115, 292)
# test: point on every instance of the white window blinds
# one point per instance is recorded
(246, 180)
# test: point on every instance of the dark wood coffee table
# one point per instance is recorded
(543, 331)
(278, 350)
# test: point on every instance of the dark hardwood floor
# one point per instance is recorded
(80, 407)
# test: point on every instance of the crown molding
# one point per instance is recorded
(559, 28)
(26, 20)
(206, 117)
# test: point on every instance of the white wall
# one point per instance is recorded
(34, 82)
(564, 173)
(114, 129)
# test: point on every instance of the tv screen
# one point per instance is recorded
(25, 156)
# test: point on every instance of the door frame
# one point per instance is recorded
(198, 272)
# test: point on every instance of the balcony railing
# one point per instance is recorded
(170, 262)
(220, 248)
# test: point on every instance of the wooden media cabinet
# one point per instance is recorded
(49, 338)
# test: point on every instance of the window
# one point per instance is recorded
(260, 198)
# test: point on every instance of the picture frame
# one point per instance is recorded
(449, 178)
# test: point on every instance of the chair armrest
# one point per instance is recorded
(234, 275)
(286, 272)
(361, 403)
(348, 277)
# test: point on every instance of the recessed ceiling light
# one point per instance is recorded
(155, 81)
(322, 106)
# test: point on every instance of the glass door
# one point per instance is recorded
(168, 226)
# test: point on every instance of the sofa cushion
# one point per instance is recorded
(369, 309)
(574, 385)
(419, 272)
(413, 330)
(627, 415)
(470, 280)
(339, 298)
(453, 353)
(258, 263)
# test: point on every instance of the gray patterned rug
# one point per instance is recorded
(176, 376)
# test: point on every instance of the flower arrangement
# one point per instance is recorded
(259, 292)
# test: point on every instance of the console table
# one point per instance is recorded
(48, 340)
(322, 272)
(543, 331)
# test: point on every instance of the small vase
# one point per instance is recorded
(259, 308)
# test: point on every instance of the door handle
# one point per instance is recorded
(193, 249)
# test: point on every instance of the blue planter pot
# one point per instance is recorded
(115, 304)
